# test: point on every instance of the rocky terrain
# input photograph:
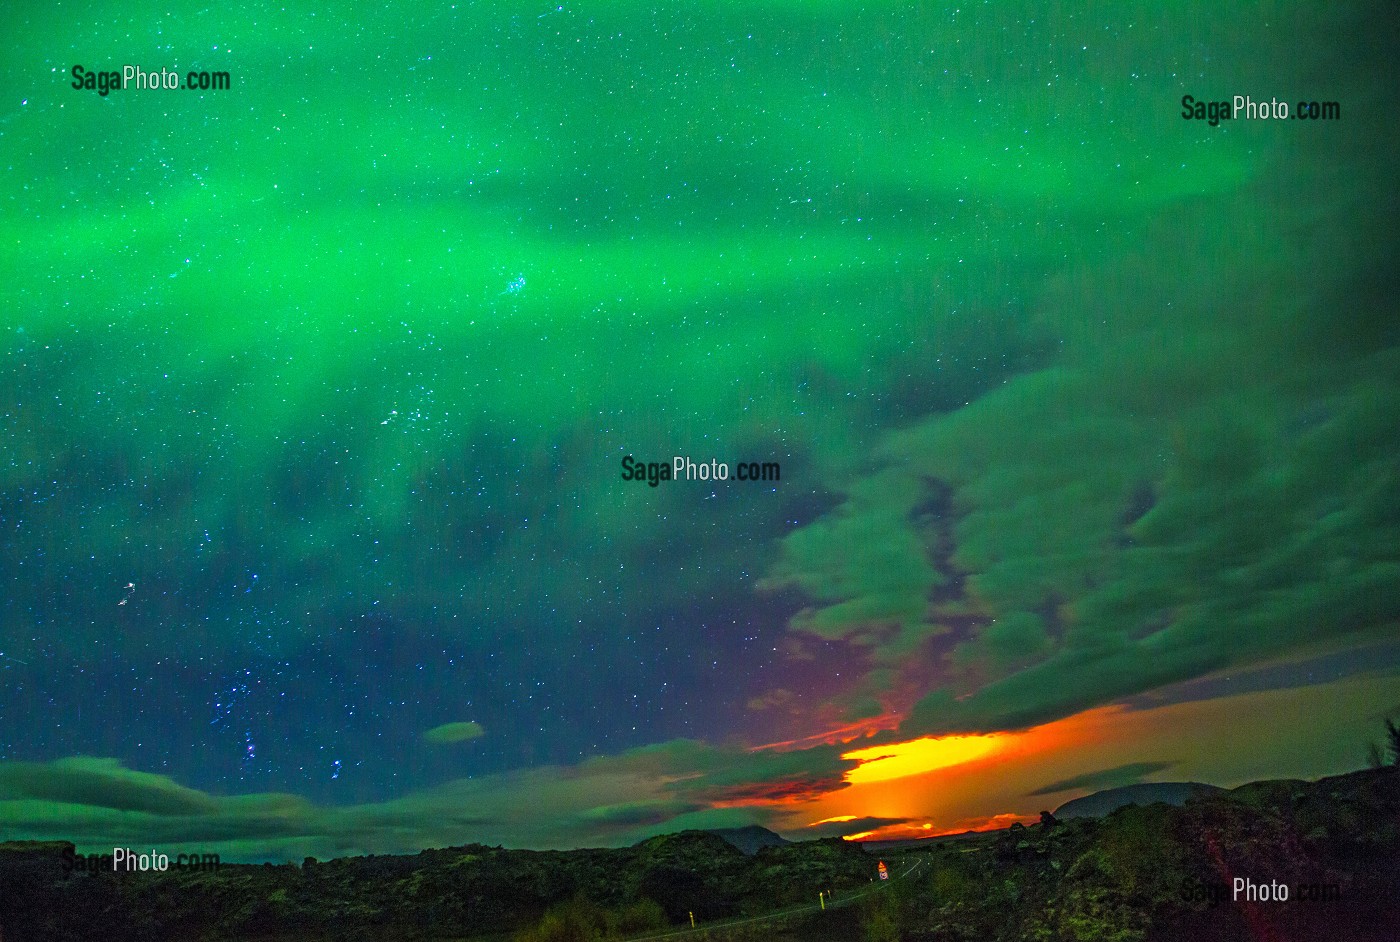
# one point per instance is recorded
(454, 893)
(1142, 873)
(1159, 872)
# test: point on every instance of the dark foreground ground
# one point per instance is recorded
(1143, 873)
(1164, 873)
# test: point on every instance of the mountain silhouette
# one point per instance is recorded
(750, 839)
(1146, 793)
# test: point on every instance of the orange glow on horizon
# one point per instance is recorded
(910, 831)
(1003, 777)
(838, 819)
(937, 785)
(900, 759)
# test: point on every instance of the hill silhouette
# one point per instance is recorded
(1146, 793)
(751, 839)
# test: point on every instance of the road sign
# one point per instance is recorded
(884, 874)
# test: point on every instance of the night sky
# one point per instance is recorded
(315, 392)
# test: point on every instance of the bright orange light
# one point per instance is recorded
(836, 820)
(911, 831)
(896, 760)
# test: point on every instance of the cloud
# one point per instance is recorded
(785, 791)
(869, 569)
(1198, 482)
(603, 801)
(1129, 774)
(640, 812)
(1307, 669)
(852, 826)
(773, 699)
(454, 732)
(100, 783)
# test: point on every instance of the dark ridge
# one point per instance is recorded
(750, 839)
(1145, 793)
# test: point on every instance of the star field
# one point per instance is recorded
(314, 393)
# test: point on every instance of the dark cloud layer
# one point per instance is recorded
(847, 828)
(100, 783)
(604, 801)
(1170, 500)
(1129, 774)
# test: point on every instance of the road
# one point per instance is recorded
(781, 913)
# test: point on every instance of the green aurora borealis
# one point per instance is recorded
(1075, 400)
